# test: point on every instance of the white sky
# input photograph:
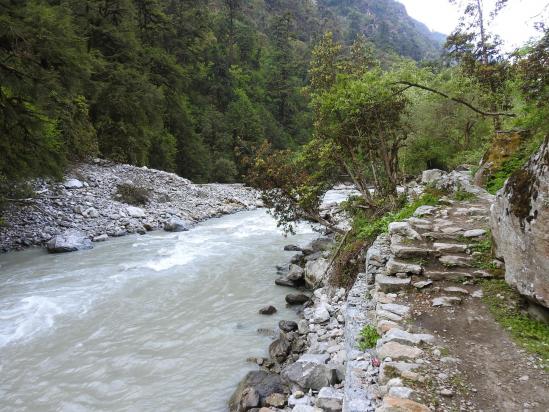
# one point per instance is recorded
(514, 24)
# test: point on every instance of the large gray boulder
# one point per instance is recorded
(311, 372)
(315, 272)
(176, 225)
(253, 390)
(520, 222)
(69, 241)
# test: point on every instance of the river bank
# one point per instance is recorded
(414, 332)
(102, 199)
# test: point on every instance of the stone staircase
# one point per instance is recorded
(432, 251)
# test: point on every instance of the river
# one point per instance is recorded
(159, 322)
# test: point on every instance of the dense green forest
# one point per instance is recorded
(180, 85)
(197, 87)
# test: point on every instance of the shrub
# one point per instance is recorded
(368, 338)
(132, 194)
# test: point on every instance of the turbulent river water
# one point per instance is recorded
(159, 322)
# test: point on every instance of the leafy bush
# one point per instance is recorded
(368, 338)
(133, 195)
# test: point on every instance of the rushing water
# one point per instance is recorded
(159, 322)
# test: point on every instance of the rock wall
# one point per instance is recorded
(520, 227)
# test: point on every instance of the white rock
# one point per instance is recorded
(474, 233)
(73, 184)
(134, 211)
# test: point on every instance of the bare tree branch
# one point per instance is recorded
(455, 99)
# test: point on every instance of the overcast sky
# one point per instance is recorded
(514, 24)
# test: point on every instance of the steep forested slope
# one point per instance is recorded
(182, 85)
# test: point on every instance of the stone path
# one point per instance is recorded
(440, 349)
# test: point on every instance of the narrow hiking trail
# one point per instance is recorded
(441, 348)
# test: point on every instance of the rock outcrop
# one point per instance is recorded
(520, 221)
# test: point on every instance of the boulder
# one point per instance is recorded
(398, 351)
(287, 325)
(519, 220)
(278, 400)
(134, 211)
(310, 372)
(296, 298)
(295, 273)
(315, 271)
(330, 399)
(280, 348)
(176, 225)
(431, 176)
(284, 281)
(321, 244)
(101, 238)
(292, 248)
(262, 384)
(73, 184)
(395, 404)
(70, 241)
(267, 310)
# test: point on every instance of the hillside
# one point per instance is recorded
(183, 86)
(388, 26)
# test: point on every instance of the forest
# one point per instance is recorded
(178, 85)
(200, 87)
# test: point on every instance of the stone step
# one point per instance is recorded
(406, 338)
(408, 252)
(449, 247)
(391, 283)
(448, 275)
(397, 266)
(456, 261)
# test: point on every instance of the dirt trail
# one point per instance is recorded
(473, 365)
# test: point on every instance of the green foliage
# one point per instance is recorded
(368, 338)
(368, 228)
(224, 171)
(515, 162)
(462, 195)
(507, 307)
(132, 194)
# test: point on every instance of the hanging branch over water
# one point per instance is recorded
(455, 99)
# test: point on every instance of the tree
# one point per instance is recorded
(479, 54)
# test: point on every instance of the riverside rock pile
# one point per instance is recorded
(88, 205)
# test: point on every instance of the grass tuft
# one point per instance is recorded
(508, 308)
(368, 338)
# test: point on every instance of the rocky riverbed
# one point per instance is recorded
(102, 199)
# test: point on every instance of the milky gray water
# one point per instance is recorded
(159, 322)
